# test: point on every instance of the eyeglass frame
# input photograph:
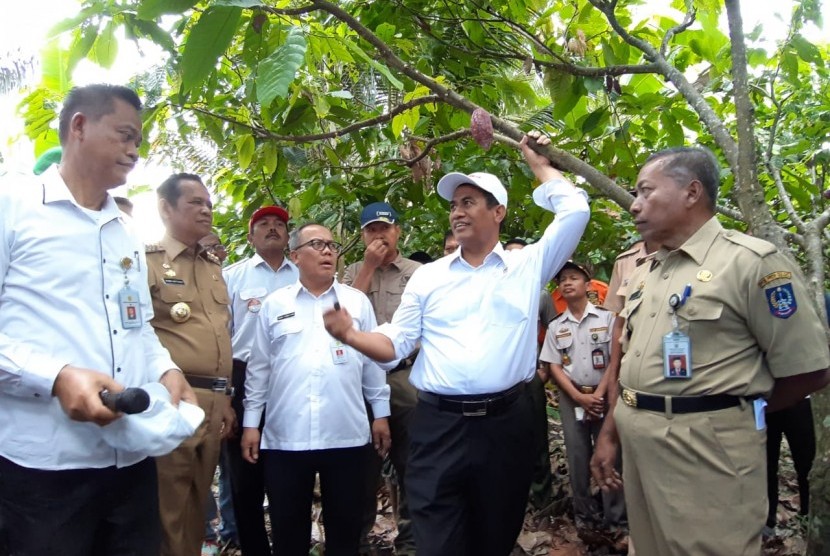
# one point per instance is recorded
(333, 246)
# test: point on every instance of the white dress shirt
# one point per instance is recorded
(60, 277)
(477, 326)
(312, 387)
(249, 283)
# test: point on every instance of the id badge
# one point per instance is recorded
(338, 353)
(677, 356)
(598, 359)
(130, 306)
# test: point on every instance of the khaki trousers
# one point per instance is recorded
(695, 483)
(185, 477)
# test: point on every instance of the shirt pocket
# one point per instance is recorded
(252, 293)
(174, 293)
(698, 319)
(563, 341)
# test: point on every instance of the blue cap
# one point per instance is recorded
(378, 212)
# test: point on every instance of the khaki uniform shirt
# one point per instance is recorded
(624, 265)
(749, 318)
(387, 285)
(201, 345)
(580, 339)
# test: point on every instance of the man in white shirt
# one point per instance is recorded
(474, 313)
(249, 283)
(70, 271)
(312, 389)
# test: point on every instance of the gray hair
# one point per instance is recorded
(294, 235)
(686, 164)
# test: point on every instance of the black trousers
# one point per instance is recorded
(247, 481)
(796, 423)
(468, 479)
(289, 478)
(81, 512)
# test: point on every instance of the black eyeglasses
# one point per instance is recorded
(319, 245)
(215, 247)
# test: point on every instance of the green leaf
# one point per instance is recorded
(151, 30)
(106, 47)
(673, 130)
(276, 72)
(593, 119)
(152, 9)
(73, 22)
(245, 147)
(84, 39)
(208, 39)
(385, 32)
(240, 3)
(55, 65)
(806, 50)
(378, 66)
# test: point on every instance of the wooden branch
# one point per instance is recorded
(371, 122)
(784, 196)
(677, 29)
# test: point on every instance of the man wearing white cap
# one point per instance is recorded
(474, 313)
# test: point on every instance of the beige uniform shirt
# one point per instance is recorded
(624, 265)
(201, 345)
(387, 285)
(586, 342)
(749, 318)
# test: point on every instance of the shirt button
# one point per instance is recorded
(665, 276)
(653, 314)
(114, 332)
(118, 370)
(637, 353)
(37, 395)
(107, 296)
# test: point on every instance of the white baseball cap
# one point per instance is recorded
(488, 182)
(159, 429)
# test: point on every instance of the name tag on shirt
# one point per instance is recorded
(338, 353)
(128, 302)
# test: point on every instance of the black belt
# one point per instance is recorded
(679, 404)
(216, 384)
(476, 405)
(404, 363)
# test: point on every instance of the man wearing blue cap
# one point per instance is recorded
(382, 275)
(474, 315)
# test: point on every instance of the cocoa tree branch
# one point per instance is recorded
(784, 196)
(707, 115)
(371, 122)
(677, 29)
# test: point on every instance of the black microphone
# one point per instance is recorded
(131, 400)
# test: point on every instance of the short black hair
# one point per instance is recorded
(686, 164)
(123, 202)
(515, 240)
(420, 257)
(94, 101)
(170, 189)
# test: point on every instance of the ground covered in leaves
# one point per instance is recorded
(551, 532)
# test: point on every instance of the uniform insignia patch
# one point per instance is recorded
(780, 275)
(781, 301)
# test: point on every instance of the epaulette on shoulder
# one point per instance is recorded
(153, 248)
(628, 252)
(213, 258)
(756, 245)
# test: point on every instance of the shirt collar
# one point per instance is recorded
(55, 190)
(257, 260)
(300, 288)
(590, 309)
(497, 254)
(172, 246)
(699, 243)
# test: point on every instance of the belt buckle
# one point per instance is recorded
(479, 411)
(220, 385)
(629, 397)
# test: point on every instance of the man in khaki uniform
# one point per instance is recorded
(694, 469)
(577, 347)
(190, 302)
(382, 275)
(624, 266)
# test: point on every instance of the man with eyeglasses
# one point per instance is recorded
(213, 245)
(382, 275)
(190, 305)
(311, 389)
(249, 283)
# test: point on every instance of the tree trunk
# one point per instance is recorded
(818, 528)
